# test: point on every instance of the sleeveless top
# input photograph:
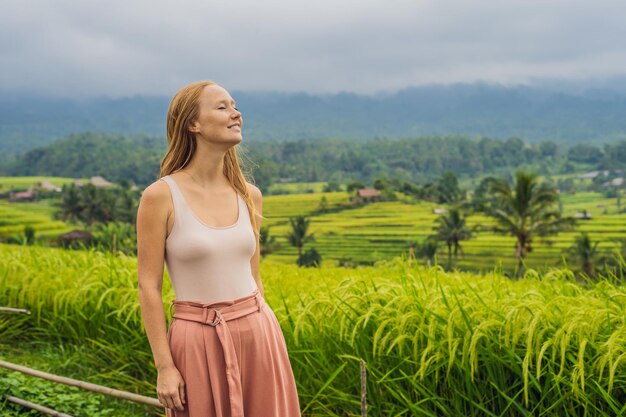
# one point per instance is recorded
(208, 264)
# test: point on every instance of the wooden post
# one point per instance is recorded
(363, 389)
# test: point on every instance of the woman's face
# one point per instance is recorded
(218, 118)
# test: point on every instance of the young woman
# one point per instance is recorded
(224, 354)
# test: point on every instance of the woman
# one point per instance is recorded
(224, 354)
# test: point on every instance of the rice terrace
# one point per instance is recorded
(395, 302)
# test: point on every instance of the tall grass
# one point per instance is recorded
(435, 343)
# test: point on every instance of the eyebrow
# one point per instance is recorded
(225, 101)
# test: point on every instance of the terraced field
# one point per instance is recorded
(381, 230)
(15, 216)
(372, 232)
(6, 183)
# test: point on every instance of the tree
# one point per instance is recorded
(299, 232)
(268, 243)
(354, 185)
(586, 253)
(331, 186)
(70, 206)
(310, 258)
(584, 153)
(481, 198)
(323, 206)
(29, 235)
(427, 248)
(448, 186)
(452, 229)
(526, 210)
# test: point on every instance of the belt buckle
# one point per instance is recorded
(218, 317)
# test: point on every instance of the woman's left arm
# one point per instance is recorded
(257, 198)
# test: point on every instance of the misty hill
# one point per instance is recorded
(532, 114)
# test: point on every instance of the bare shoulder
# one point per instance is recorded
(255, 192)
(156, 199)
(156, 193)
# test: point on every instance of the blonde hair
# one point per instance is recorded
(181, 143)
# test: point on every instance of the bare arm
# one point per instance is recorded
(257, 198)
(154, 209)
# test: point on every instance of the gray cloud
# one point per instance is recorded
(116, 48)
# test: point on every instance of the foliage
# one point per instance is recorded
(451, 229)
(416, 160)
(114, 157)
(61, 398)
(434, 343)
(91, 204)
(586, 253)
(299, 235)
(526, 210)
(309, 258)
(115, 237)
(267, 242)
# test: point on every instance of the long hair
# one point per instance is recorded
(181, 143)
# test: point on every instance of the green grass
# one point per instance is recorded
(435, 343)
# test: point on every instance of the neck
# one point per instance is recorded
(207, 166)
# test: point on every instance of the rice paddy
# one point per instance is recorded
(435, 343)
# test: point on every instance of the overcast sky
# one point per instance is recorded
(153, 47)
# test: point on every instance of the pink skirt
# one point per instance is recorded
(233, 358)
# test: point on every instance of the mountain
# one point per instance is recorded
(531, 113)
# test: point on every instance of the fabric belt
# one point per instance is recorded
(216, 315)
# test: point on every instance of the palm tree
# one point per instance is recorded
(525, 211)
(452, 229)
(71, 204)
(268, 243)
(615, 259)
(427, 248)
(299, 232)
(586, 252)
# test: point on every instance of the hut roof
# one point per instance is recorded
(367, 192)
(76, 234)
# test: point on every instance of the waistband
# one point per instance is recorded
(216, 315)
(217, 312)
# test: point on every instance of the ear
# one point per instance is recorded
(194, 127)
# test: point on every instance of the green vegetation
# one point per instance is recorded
(23, 182)
(435, 343)
(348, 233)
(402, 163)
(114, 157)
(40, 216)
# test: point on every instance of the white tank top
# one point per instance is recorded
(207, 263)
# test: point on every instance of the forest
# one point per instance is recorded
(415, 160)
